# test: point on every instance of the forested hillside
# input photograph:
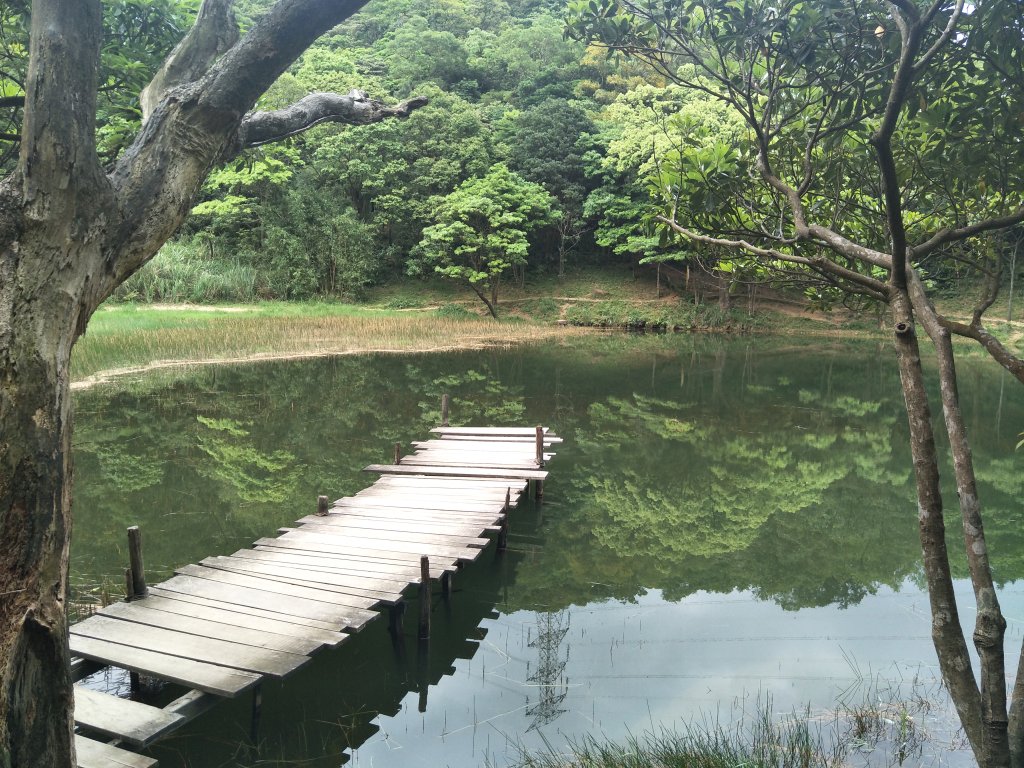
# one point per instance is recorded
(568, 133)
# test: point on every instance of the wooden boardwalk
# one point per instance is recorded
(219, 627)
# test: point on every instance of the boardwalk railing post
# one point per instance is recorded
(540, 446)
(321, 505)
(398, 453)
(135, 558)
(424, 598)
(503, 533)
(445, 402)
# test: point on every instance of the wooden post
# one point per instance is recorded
(321, 505)
(398, 453)
(445, 402)
(128, 594)
(503, 533)
(396, 615)
(257, 711)
(540, 446)
(446, 585)
(135, 558)
(424, 598)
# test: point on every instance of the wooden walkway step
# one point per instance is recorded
(96, 754)
(220, 626)
(131, 721)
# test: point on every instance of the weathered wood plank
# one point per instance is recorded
(131, 721)
(334, 616)
(212, 678)
(525, 445)
(360, 585)
(433, 481)
(340, 527)
(490, 431)
(204, 649)
(403, 514)
(95, 754)
(426, 501)
(140, 612)
(247, 616)
(402, 469)
(356, 607)
(332, 547)
(417, 492)
(333, 563)
(328, 535)
(382, 522)
(483, 463)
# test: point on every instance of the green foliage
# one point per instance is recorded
(481, 230)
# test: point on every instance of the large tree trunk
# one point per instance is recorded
(35, 517)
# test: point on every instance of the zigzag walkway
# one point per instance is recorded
(220, 627)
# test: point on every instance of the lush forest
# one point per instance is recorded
(536, 153)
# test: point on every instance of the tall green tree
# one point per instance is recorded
(481, 231)
(880, 138)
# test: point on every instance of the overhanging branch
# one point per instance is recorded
(354, 108)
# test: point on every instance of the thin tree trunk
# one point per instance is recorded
(990, 625)
(947, 635)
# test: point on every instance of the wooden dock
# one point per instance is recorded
(219, 627)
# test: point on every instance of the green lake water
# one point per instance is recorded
(728, 522)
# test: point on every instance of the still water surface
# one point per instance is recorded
(727, 521)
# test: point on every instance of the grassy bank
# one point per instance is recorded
(129, 338)
(417, 316)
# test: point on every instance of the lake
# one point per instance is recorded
(729, 526)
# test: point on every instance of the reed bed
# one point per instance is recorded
(133, 341)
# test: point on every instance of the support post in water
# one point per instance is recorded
(396, 614)
(321, 505)
(398, 453)
(538, 485)
(135, 558)
(257, 711)
(424, 598)
(445, 402)
(503, 533)
(446, 585)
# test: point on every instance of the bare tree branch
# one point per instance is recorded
(355, 108)
(944, 236)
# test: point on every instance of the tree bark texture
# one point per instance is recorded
(69, 235)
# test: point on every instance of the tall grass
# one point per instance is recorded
(130, 339)
(178, 273)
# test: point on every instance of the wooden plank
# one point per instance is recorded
(400, 514)
(423, 501)
(333, 616)
(131, 721)
(526, 445)
(428, 481)
(483, 463)
(549, 442)
(334, 563)
(193, 647)
(139, 611)
(332, 547)
(212, 678)
(360, 520)
(490, 431)
(380, 589)
(337, 525)
(402, 469)
(325, 535)
(417, 492)
(94, 754)
(244, 616)
(356, 607)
